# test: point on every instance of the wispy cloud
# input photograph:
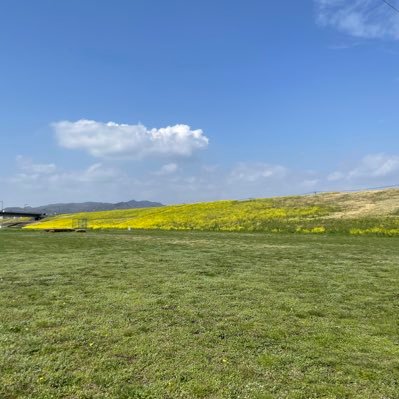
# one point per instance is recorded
(173, 183)
(344, 46)
(368, 19)
(121, 141)
(167, 169)
(253, 172)
(38, 183)
(27, 165)
(41, 176)
(374, 167)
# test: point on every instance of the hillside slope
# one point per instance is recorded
(364, 212)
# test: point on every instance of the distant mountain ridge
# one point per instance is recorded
(52, 209)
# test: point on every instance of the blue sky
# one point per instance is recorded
(185, 101)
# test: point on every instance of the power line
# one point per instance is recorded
(391, 5)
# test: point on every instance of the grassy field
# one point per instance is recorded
(361, 213)
(152, 314)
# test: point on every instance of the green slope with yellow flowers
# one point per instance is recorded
(366, 212)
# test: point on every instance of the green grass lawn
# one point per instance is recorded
(198, 315)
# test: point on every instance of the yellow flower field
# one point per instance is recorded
(222, 215)
(326, 213)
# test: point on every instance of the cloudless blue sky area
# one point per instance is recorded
(264, 81)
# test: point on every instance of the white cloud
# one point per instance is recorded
(372, 167)
(210, 168)
(310, 183)
(167, 169)
(43, 175)
(377, 166)
(27, 165)
(94, 173)
(253, 172)
(40, 183)
(121, 141)
(367, 19)
(335, 176)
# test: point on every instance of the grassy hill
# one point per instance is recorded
(366, 212)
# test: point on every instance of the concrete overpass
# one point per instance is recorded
(33, 215)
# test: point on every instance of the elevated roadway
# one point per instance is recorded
(33, 215)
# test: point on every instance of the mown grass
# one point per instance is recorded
(351, 213)
(198, 315)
